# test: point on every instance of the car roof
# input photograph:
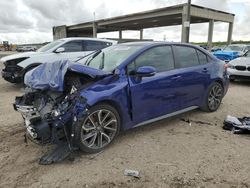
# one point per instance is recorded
(154, 43)
(87, 38)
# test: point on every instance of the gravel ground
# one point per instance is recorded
(168, 153)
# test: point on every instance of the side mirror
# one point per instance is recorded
(60, 50)
(145, 71)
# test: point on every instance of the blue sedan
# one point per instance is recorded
(120, 87)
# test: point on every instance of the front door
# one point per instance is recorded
(153, 96)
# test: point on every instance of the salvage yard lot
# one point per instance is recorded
(168, 153)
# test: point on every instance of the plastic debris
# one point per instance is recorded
(189, 121)
(133, 173)
(237, 125)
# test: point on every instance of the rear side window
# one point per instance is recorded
(73, 46)
(186, 56)
(161, 58)
(90, 45)
(202, 57)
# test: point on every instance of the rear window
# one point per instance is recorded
(202, 57)
(186, 56)
(90, 45)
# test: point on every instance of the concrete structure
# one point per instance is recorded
(167, 16)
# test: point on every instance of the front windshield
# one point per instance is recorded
(49, 46)
(109, 58)
(234, 48)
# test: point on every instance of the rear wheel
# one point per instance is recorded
(214, 97)
(98, 129)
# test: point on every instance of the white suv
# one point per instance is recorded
(67, 48)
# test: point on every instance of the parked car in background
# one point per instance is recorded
(68, 48)
(217, 48)
(240, 68)
(231, 52)
(118, 88)
(26, 48)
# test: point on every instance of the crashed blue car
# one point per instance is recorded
(84, 105)
(231, 52)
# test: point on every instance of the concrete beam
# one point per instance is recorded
(141, 34)
(210, 34)
(211, 15)
(230, 33)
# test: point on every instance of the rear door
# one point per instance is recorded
(193, 75)
(153, 96)
(92, 45)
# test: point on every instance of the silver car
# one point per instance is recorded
(240, 68)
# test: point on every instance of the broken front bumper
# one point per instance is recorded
(37, 128)
(13, 77)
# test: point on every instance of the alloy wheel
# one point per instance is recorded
(99, 129)
(215, 96)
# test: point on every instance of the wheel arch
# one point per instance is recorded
(114, 104)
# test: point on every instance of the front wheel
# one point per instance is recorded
(98, 129)
(213, 97)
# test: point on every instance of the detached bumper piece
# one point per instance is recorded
(61, 152)
(237, 125)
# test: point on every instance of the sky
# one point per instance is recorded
(31, 21)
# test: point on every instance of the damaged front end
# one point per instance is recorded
(50, 114)
(49, 118)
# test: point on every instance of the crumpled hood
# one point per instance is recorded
(50, 76)
(241, 61)
(87, 70)
(19, 55)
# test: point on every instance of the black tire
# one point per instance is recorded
(213, 97)
(232, 79)
(91, 135)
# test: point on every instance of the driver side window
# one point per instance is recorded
(161, 58)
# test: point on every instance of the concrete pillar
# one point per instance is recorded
(120, 34)
(210, 34)
(141, 34)
(185, 26)
(230, 33)
(94, 30)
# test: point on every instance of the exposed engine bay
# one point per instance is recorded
(50, 116)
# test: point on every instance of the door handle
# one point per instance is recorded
(205, 70)
(176, 77)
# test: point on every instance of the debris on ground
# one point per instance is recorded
(237, 125)
(133, 173)
(189, 121)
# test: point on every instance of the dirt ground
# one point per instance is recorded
(168, 153)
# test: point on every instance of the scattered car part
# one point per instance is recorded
(189, 121)
(133, 173)
(237, 125)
